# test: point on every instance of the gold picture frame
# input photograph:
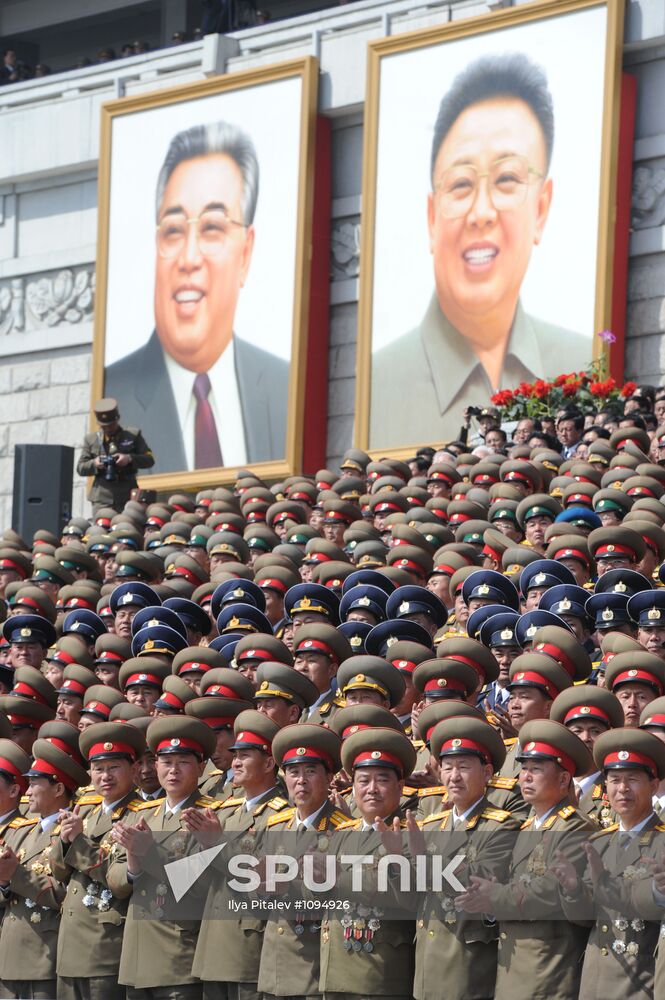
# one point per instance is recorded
(437, 38)
(240, 85)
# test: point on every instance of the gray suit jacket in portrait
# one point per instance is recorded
(140, 382)
(422, 382)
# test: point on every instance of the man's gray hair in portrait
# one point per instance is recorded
(510, 75)
(208, 140)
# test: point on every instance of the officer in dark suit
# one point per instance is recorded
(112, 455)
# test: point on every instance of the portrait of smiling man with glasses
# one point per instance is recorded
(204, 395)
(487, 209)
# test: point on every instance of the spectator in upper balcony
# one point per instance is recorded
(9, 64)
(106, 55)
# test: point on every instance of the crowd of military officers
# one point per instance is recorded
(463, 667)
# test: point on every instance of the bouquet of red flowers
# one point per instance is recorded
(587, 391)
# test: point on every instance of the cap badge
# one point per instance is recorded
(238, 592)
(353, 729)
(584, 710)
(93, 704)
(235, 621)
(307, 644)
(507, 633)
(364, 602)
(264, 685)
(632, 673)
(442, 682)
(653, 615)
(530, 746)
(519, 677)
(483, 589)
(74, 626)
(251, 652)
(607, 615)
(170, 568)
(143, 677)
(108, 746)
(356, 641)
(404, 608)
(456, 743)
(375, 754)
(301, 751)
(620, 588)
(25, 632)
(175, 742)
(392, 640)
(126, 598)
(305, 602)
(531, 631)
(565, 605)
(610, 548)
(623, 755)
(153, 621)
(359, 678)
(539, 578)
(149, 644)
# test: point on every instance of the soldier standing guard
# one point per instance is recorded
(113, 454)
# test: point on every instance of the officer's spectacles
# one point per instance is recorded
(508, 181)
(212, 231)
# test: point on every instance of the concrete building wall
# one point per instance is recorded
(49, 137)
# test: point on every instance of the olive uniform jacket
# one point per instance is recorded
(229, 949)
(29, 933)
(93, 919)
(126, 441)
(540, 952)
(156, 952)
(291, 949)
(619, 960)
(387, 968)
(456, 954)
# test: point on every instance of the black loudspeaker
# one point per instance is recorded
(42, 488)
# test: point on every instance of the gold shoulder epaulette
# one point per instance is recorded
(597, 792)
(89, 799)
(231, 802)
(567, 812)
(499, 815)
(660, 827)
(137, 804)
(434, 817)
(83, 789)
(206, 802)
(350, 824)
(215, 773)
(502, 781)
(21, 821)
(338, 818)
(601, 833)
(278, 802)
(282, 817)
(510, 741)
(432, 790)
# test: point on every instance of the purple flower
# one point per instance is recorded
(607, 336)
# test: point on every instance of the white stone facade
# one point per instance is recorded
(49, 137)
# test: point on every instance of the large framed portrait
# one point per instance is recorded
(205, 216)
(488, 197)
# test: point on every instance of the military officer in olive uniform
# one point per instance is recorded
(113, 454)
(456, 955)
(540, 952)
(619, 957)
(93, 919)
(30, 894)
(158, 946)
(309, 755)
(228, 952)
(361, 954)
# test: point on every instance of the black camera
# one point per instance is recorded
(474, 411)
(109, 467)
